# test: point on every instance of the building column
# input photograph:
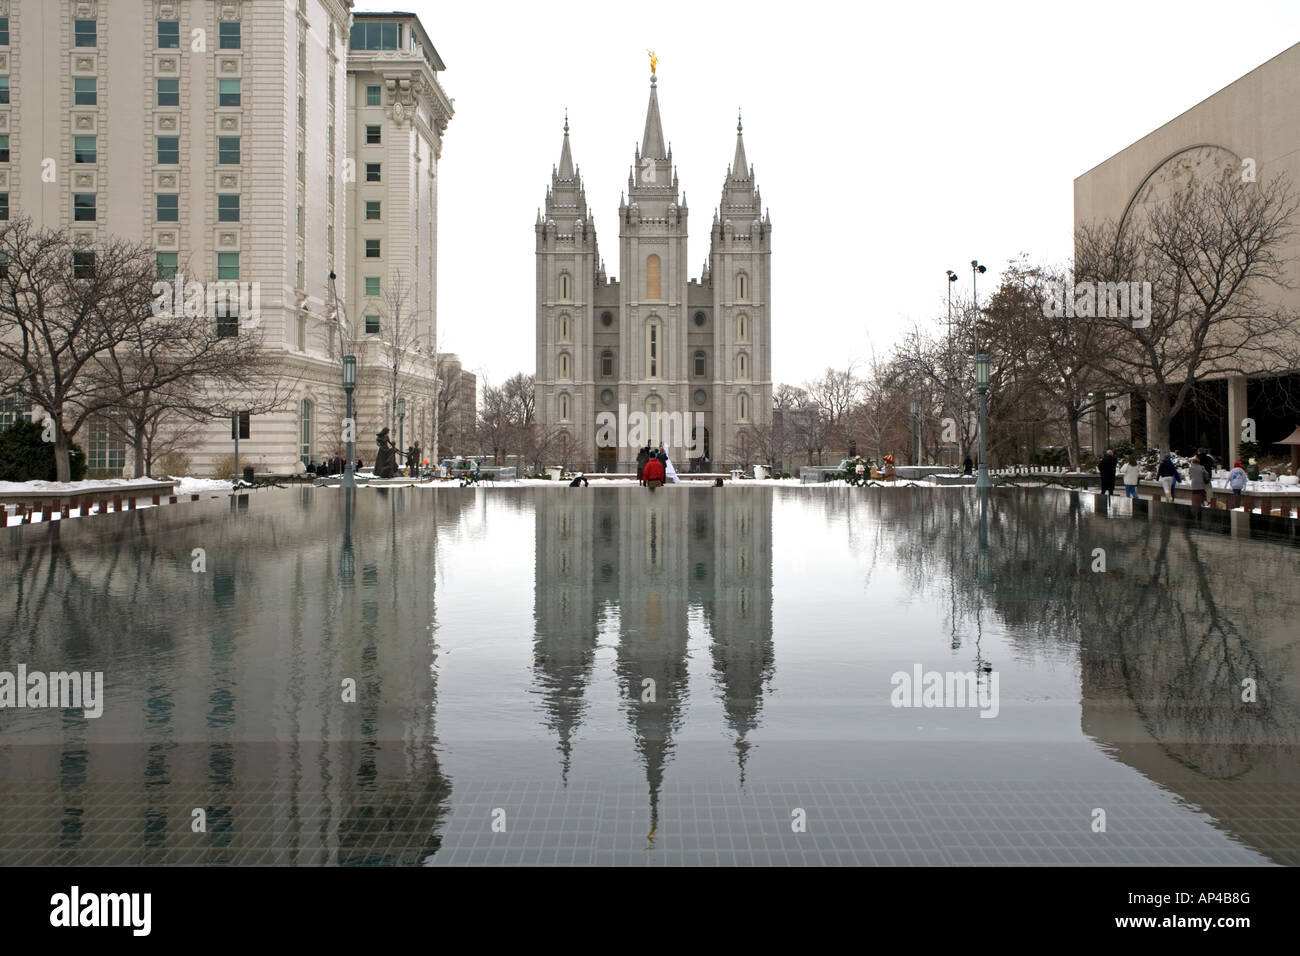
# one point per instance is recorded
(1236, 412)
(1099, 425)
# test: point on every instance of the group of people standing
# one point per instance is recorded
(1200, 472)
(330, 466)
(654, 468)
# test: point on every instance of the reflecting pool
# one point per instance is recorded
(695, 676)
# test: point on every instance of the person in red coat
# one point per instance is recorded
(653, 473)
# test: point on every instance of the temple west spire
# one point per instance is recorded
(566, 157)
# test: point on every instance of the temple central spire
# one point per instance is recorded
(652, 142)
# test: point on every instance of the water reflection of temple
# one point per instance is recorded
(225, 686)
(647, 565)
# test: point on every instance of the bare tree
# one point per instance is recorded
(834, 394)
(63, 309)
(402, 326)
(1208, 252)
(182, 366)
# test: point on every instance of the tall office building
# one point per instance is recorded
(267, 142)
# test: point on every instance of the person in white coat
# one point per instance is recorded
(670, 473)
(1131, 475)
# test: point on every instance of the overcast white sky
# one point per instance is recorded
(890, 141)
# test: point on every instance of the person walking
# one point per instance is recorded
(1168, 475)
(968, 466)
(1132, 474)
(1237, 479)
(1199, 481)
(1107, 467)
(861, 471)
(642, 457)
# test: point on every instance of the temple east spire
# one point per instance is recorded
(739, 165)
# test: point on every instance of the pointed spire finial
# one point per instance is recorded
(566, 121)
(739, 127)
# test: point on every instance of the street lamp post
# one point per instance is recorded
(982, 386)
(952, 277)
(915, 408)
(981, 380)
(349, 383)
(401, 431)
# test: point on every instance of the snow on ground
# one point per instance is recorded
(7, 487)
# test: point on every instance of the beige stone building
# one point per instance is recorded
(1250, 124)
(655, 342)
(272, 143)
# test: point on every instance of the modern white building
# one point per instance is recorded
(272, 142)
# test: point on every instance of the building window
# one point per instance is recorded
(302, 56)
(742, 328)
(4, 207)
(607, 319)
(375, 35)
(83, 207)
(169, 34)
(742, 408)
(83, 265)
(700, 319)
(4, 31)
(302, 331)
(372, 324)
(305, 429)
(169, 150)
(83, 32)
(607, 397)
(228, 35)
(4, 147)
(228, 322)
(373, 172)
(700, 361)
(103, 451)
(84, 91)
(4, 90)
(607, 364)
(372, 248)
(742, 287)
(565, 370)
(298, 276)
(372, 134)
(564, 406)
(372, 285)
(227, 265)
(228, 208)
(652, 278)
(228, 93)
(372, 208)
(742, 366)
(701, 396)
(228, 150)
(566, 287)
(165, 265)
(83, 149)
(13, 409)
(168, 92)
(167, 207)
(302, 111)
(653, 347)
(564, 327)
(372, 96)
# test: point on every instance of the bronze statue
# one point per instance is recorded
(386, 458)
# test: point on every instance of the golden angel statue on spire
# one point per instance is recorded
(654, 62)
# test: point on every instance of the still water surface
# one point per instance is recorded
(694, 676)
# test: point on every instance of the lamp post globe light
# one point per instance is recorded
(349, 383)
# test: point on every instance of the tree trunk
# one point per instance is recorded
(139, 450)
(1075, 454)
(1158, 425)
(62, 465)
